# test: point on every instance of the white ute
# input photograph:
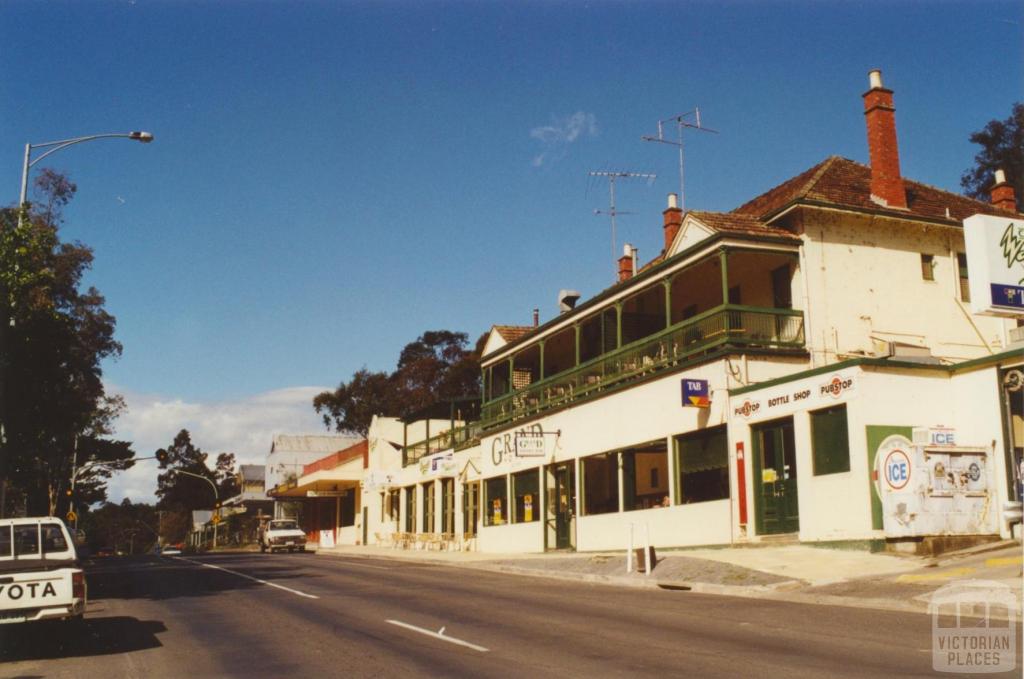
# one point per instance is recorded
(39, 574)
(282, 534)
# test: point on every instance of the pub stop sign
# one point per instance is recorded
(696, 393)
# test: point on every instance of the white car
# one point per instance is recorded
(282, 534)
(39, 574)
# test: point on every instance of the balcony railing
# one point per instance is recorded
(728, 324)
(457, 438)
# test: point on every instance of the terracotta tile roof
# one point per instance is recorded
(730, 222)
(511, 333)
(846, 183)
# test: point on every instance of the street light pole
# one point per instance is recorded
(54, 146)
(216, 500)
(6, 319)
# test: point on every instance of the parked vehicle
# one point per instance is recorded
(283, 534)
(39, 574)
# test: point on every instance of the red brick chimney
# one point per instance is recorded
(880, 115)
(673, 220)
(626, 263)
(1002, 194)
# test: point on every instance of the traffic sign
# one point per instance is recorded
(71, 516)
(215, 519)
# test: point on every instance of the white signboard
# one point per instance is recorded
(530, 444)
(995, 265)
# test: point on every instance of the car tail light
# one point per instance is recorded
(78, 585)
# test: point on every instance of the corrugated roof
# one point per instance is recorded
(252, 472)
(322, 443)
(335, 459)
(846, 183)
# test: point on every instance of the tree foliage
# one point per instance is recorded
(126, 527)
(437, 366)
(53, 338)
(182, 493)
(1002, 148)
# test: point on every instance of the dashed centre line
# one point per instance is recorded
(249, 577)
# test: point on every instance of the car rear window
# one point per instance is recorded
(53, 539)
(26, 540)
(5, 541)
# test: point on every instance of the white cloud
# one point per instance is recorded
(244, 427)
(562, 132)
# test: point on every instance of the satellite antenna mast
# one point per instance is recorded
(612, 212)
(682, 123)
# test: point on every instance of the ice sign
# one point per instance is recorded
(896, 469)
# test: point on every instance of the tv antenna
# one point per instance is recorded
(612, 212)
(682, 123)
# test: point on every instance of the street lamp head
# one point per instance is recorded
(144, 137)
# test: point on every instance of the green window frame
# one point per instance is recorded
(830, 440)
(496, 501)
(702, 466)
(470, 501)
(448, 506)
(428, 507)
(526, 485)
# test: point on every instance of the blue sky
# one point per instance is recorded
(329, 180)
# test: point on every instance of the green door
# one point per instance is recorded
(775, 477)
(561, 506)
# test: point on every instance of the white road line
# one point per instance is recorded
(437, 635)
(248, 577)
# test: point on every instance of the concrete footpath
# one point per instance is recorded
(799, 573)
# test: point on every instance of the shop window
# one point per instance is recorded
(965, 288)
(348, 510)
(496, 501)
(395, 502)
(645, 476)
(830, 440)
(702, 459)
(526, 493)
(927, 267)
(428, 507)
(600, 483)
(410, 509)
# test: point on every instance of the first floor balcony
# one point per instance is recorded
(728, 326)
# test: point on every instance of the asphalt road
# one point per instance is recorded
(300, 615)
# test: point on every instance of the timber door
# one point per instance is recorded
(775, 478)
(560, 519)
